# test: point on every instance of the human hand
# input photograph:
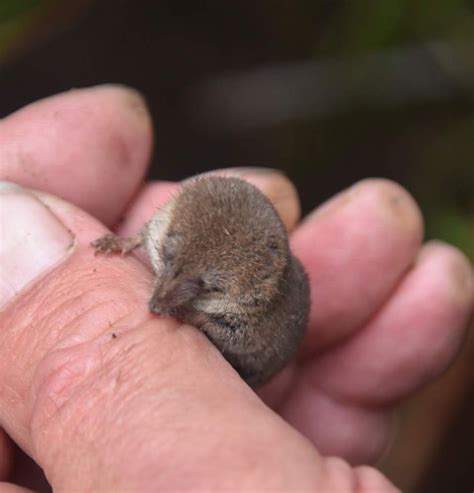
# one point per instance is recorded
(106, 397)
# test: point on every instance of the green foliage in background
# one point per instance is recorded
(16, 17)
(430, 145)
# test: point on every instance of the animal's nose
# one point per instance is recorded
(167, 299)
(161, 301)
(159, 305)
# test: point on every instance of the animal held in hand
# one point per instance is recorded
(222, 262)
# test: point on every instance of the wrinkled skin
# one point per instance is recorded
(105, 396)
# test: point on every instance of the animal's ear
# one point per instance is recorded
(272, 245)
(213, 282)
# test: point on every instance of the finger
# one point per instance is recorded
(411, 340)
(276, 186)
(12, 488)
(88, 146)
(355, 249)
(344, 429)
(151, 197)
(34, 242)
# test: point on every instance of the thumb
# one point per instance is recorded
(103, 396)
(54, 296)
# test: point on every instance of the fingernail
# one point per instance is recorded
(32, 240)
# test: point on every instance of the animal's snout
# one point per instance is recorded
(170, 296)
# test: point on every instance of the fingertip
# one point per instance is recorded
(394, 203)
(369, 480)
(460, 274)
(411, 340)
(356, 247)
(89, 146)
(355, 480)
(121, 98)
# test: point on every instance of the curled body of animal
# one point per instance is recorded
(222, 262)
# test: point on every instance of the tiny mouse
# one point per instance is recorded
(222, 262)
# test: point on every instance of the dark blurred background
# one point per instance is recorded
(328, 91)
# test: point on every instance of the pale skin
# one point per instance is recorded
(106, 397)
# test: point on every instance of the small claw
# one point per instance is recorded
(111, 243)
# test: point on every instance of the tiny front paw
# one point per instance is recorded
(109, 244)
(115, 244)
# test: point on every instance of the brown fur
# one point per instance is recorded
(223, 264)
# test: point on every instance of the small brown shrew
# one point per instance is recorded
(222, 262)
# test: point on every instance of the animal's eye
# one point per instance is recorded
(214, 289)
(209, 287)
(200, 282)
(273, 245)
